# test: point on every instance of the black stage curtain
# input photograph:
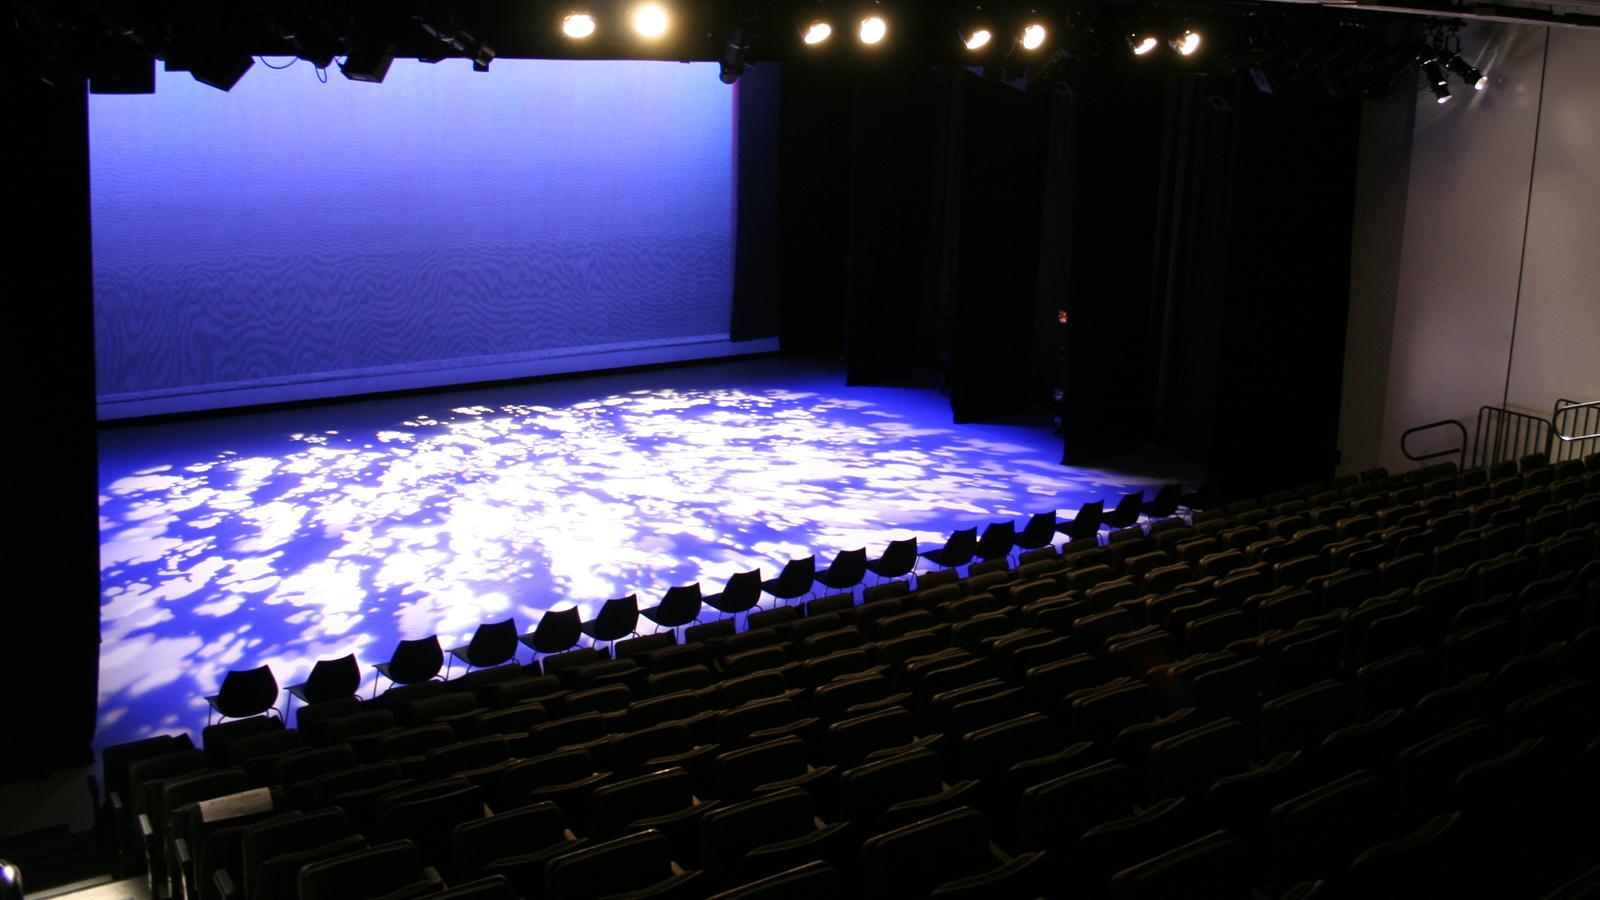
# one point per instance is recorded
(909, 226)
(1210, 274)
(813, 207)
(1004, 145)
(892, 165)
(1115, 170)
(755, 261)
(51, 637)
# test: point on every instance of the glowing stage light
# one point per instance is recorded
(650, 20)
(873, 30)
(818, 32)
(978, 39)
(1467, 71)
(1142, 44)
(1186, 44)
(578, 25)
(1033, 36)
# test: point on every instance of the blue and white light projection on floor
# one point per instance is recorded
(403, 518)
(292, 232)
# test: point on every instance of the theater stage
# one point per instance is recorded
(288, 536)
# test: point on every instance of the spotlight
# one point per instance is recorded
(650, 20)
(1467, 71)
(873, 30)
(578, 25)
(1441, 93)
(818, 32)
(977, 38)
(1033, 36)
(368, 61)
(222, 70)
(1434, 73)
(1142, 44)
(734, 53)
(1186, 44)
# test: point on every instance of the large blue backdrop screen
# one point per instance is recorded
(293, 231)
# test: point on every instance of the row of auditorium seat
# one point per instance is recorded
(1083, 724)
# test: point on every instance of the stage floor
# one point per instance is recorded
(289, 536)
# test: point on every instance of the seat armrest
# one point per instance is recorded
(224, 884)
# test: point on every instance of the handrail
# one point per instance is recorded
(1460, 452)
(1567, 406)
(1504, 434)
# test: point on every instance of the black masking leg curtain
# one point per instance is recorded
(51, 637)
(1209, 274)
(814, 169)
(909, 237)
(755, 260)
(893, 113)
(1004, 144)
(1116, 167)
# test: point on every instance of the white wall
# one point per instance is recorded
(1439, 331)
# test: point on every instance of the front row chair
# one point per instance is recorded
(244, 693)
(794, 581)
(493, 644)
(742, 593)
(557, 632)
(898, 559)
(330, 679)
(848, 569)
(616, 620)
(996, 541)
(958, 551)
(1040, 532)
(1086, 523)
(1164, 505)
(679, 606)
(1127, 512)
(413, 662)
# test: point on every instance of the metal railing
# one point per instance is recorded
(1575, 429)
(1459, 451)
(1571, 432)
(1505, 434)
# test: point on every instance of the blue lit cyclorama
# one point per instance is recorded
(295, 232)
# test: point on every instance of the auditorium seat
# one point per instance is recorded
(1086, 523)
(917, 859)
(330, 680)
(794, 581)
(243, 694)
(374, 872)
(846, 571)
(768, 834)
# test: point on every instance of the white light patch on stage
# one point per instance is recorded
(350, 541)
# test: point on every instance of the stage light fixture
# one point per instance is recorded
(1033, 36)
(650, 20)
(818, 32)
(578, 25)
(222, 71)
(368, 61)
(1435, 74)
(977, 38)
(1143, 44)
(874, 28)
(734, 53)
(1186, 44)
(1466, 71)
